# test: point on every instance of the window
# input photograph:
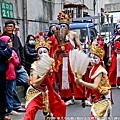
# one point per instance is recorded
(69, 11)
(82, 32)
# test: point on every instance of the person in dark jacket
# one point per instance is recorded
(21, 74)
(5, 54)
(29, 52)
(17, 46)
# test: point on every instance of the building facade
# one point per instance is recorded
(32, 16)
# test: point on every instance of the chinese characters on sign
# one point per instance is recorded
(7, 10)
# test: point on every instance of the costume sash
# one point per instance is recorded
(71, 41)
(94, 69)
(65, 82)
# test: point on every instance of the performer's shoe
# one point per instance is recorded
(13, 113)
(70, 102)
(118, 87)
(88, 103)
(21, 109)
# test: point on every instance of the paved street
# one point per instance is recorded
(76, 111)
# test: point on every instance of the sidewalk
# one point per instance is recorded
(21, 114)
(20, 91)
(18, 117)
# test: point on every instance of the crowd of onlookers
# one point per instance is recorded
(15, 64)
(15, 61)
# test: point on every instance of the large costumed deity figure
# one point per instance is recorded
(114, 58)
(40, 94)
(67, 40)
(100, 86)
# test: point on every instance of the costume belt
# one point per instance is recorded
(64, 54)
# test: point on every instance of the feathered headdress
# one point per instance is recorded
(64, 18)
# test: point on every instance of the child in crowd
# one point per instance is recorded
(13, 62)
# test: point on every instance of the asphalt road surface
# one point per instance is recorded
(77, 112)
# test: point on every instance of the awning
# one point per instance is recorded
(75, 5)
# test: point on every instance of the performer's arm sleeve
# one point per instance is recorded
(93, 85)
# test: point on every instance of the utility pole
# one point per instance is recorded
(62, 4)
(82, 9)
(25, 19)
(94, 4)
(99, 13)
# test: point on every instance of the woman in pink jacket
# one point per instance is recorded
(13, 62)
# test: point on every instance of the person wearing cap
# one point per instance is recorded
(5, 54)
(114, 46)
(99, 85)
(13, 62)
(21, 74)
(40, 94)
(45, 32)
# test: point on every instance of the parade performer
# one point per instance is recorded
(40, 94)
(67, 40)
(102, 44)
(114, 52)
(100, 87)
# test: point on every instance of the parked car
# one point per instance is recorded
(87, 32)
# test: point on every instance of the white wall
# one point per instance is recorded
(89, 4)
(111, 1)
(39, 13)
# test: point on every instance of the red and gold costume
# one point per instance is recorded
(43, 97)
(101, 97)
(54, 45)
(68, 86)
(114, 80)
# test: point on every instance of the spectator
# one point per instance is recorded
(53, 40)
(21, 74)
(45, 33)
(114, 46)
(13, 62)
(5, 54)
(30, 52)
